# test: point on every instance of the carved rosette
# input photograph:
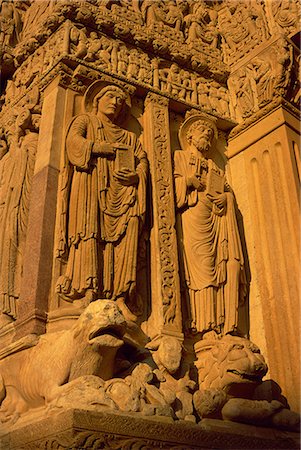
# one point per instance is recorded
(161, 168)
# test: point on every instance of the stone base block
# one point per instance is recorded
(81, 429)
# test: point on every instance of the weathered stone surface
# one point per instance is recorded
(86, 429)
(124, 201)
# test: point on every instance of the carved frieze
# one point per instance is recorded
(157, 26)
(115, 57)
(262, 79)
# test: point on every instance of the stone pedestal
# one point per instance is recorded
(80, 429)
(264, 167)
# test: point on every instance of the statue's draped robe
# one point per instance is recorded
(211, 252)
(16, 173)
(104, 217)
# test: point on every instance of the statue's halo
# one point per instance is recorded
(96, 87)
(205, 119)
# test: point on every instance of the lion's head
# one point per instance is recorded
(229, 363)
(101, 324)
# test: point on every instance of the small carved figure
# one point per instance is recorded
(137, 392)
(232, 25)
(244, 88)
(78, 42)
(174, 13)
(264, 78)
(152, 12)
(123, 58)
(94, 46)
(10, 23)
(203, 95)
(145, 69)
(134, 63)
(201, 25)
(106, 206)
(173, 81)
(209, 238)
(99, 50)
(223, 102)
(173, 375)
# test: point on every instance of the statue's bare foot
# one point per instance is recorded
(89, 297)
(128, 315)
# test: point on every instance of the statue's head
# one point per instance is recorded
(197, 133)
(170, 353)
(23, 119)
(200, 136)
(109, 101)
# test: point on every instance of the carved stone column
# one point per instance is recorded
(264, 161)
(33, 302)
(166, 303)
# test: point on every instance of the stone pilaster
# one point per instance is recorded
(264, 171)
(33, 302)
(166, 302)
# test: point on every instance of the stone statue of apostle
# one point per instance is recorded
(210, 243)
(106, 206)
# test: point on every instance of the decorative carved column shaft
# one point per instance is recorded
(165, 280)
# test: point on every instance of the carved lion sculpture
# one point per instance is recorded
(37, 375)
(228, 362)
(230, 369)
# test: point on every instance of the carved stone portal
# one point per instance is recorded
(127, 290)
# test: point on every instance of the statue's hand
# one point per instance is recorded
(126, 177)
(194, 182)
(219, 200)
(103, 149)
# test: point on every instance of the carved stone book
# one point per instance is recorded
(125, 158)
(215, 183)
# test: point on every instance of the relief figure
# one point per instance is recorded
(16, 173)
(10, 24)
(105, 204)
(210, 245)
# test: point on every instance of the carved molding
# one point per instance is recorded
(165, 207)
(89, 430)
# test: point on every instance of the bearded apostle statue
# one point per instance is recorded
(103, 204)
(210, 246)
